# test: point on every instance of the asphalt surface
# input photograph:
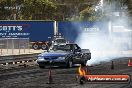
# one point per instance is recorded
(34, 77)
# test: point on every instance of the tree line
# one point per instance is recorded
(54, 9)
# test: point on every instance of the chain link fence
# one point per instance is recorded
(13, 46)
(16, 46)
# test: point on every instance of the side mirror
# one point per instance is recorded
(79, 50)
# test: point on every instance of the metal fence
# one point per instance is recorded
(12, 46)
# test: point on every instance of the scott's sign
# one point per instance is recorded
(10, 28)
(14, 31)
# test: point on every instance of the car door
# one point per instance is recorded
(77, 54)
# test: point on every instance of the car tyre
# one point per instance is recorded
(85, 62)
(69, 64)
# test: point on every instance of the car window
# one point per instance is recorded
(60, 41)
(75, 47)
(61, 47)
(58, 47)
(67, 47)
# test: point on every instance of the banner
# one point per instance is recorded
(14, 30)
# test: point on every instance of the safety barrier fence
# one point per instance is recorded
(17, 60)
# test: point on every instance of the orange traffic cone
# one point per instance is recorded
(129, 63)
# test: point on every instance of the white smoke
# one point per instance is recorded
(100, 46)
(105, 47)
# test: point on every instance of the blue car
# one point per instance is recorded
(63, 55)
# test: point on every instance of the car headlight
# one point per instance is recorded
(40, 58)
(61, 58)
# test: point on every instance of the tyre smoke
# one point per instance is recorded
(109, 42)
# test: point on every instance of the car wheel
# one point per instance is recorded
(69, 64)
(85, 62)
(35, 46)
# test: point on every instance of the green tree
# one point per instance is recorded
(90, 14)
(9, 9)
(128, 3)
(4, 11)
(37, 10)
(84, 10)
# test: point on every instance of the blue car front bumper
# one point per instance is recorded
(55, 62)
